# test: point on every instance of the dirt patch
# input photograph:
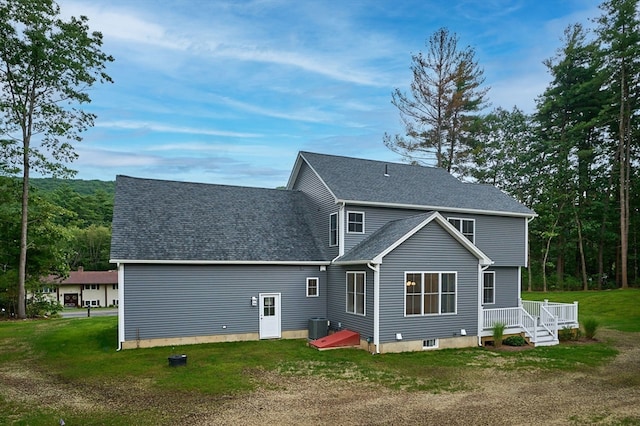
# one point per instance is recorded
(494, 396)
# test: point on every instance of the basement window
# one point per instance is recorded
(430, 344)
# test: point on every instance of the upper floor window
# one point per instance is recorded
(430, 293)
(333, 229)
(489, 288)
(466, 226)
(356, 293)
(92, 286)
(312, 287)
(355, 222)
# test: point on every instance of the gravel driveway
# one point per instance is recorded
(608, 395)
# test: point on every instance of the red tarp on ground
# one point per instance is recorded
(339, 339)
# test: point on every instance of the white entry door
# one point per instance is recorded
(269, 315)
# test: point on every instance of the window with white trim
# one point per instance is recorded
(488, 287)
(313, 285)
(355, 222)
(356, 292)
(467, 227)
(333, 229)
(430, 344)
(430, 293)
(92, 286)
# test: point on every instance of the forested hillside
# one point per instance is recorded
(82, 187)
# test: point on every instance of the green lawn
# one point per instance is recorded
(82, 352)
(616, 309)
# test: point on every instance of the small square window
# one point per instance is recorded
(355, 222)
(465, 226)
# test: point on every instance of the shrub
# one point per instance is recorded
(590, 327)
(568, 334)
(40, 306)
(515, 341)
(498, 332)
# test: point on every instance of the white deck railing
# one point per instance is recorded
(566, 313)
(531, 315)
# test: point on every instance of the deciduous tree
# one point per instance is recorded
(46, 66)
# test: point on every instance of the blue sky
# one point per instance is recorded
(229, 91)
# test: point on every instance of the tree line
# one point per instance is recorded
(574, 160)
(69, 227)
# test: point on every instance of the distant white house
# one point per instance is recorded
(83, 288)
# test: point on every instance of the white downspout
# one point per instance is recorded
(376, 305)
(341, 228)
(120, 305)
(481, 269)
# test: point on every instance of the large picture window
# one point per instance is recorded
(489, 288)
(466, 226)
(333, 229)
(355, 222)
(356, 292)
(430, 293)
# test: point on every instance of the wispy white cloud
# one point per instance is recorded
(157, 127)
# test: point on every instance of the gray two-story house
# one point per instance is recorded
(408, 257)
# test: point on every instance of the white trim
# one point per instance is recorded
(341, 230)
(278, 314)
(121, 305)
(317, 287)
(480, 308)
(443, 208)
(462, 220)
(484, 259)
(526, 241)
(296, 170)
(337, 216)
(220, 262)
(494, 287)
(430, 348)
(376, 305)
(422, 293)
(347, 222)
(520, 283)
(346, 294)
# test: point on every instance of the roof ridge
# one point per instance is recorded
(371, 160)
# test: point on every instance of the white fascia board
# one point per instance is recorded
(484, 259)
(457, 235)
(355, 262)
(378, 258)
(220, 262)
(296, 170)
(437, 208)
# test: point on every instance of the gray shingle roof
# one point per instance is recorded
(382, 239)
(166, 220)
(352, 179)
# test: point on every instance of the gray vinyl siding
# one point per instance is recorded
(430, 250)
(323, 204)
(164, 301)
(501, 238)
(337, 300)
(506, 288)
(374, 218)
